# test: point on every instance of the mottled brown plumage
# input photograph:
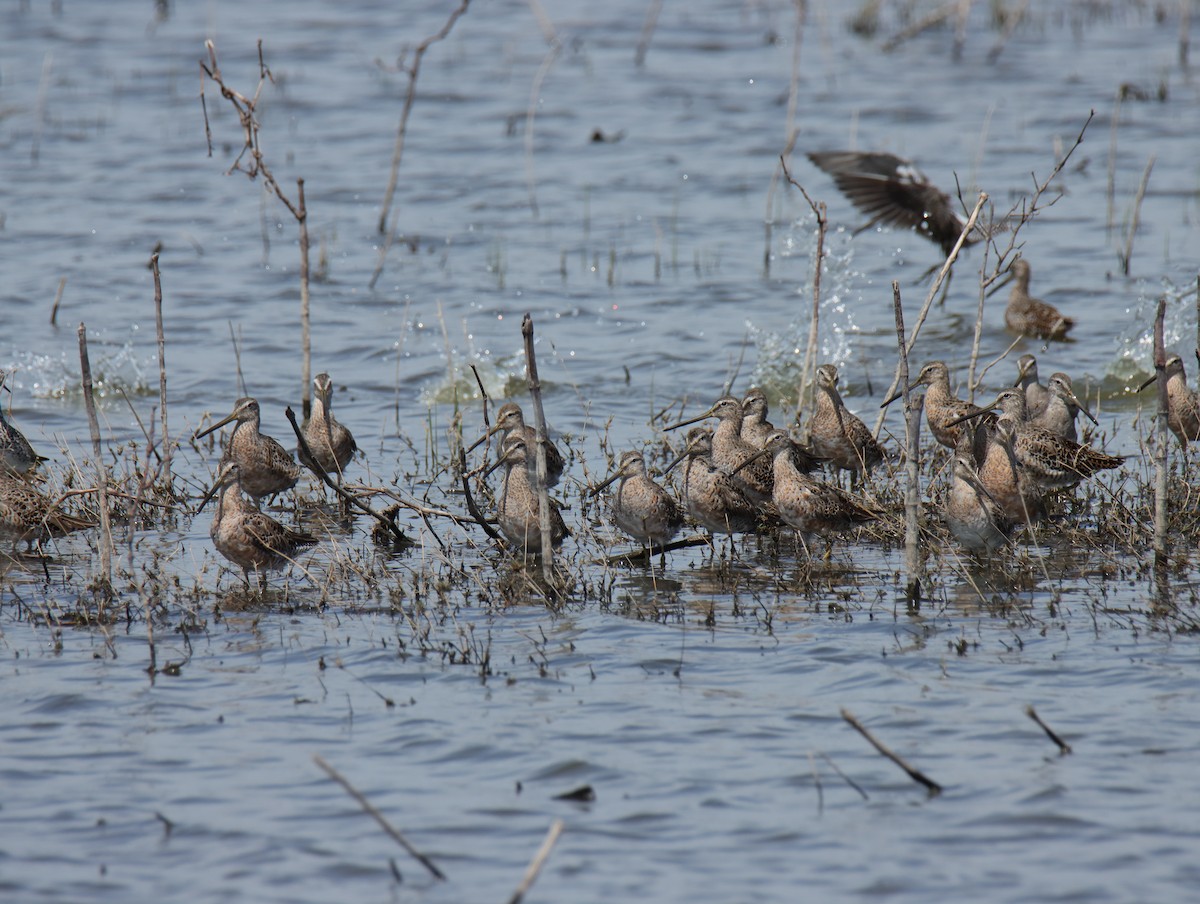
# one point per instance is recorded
(332, 445)
(730, 452)
(1031, 316)
(712, 498)
(16, 455)
(1036, 395)
(1062, 408)
(944, 412)
(517, 508)
(1183, 405)
(971, 512)
(264, 466)
(642, 508)
(26, 513)
(837, 434)
(511, 420)
(807, 505)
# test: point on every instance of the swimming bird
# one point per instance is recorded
(518, 509)
(1183, 405)
(944, 412)
(1062, 408)
(1036, 395)
(509, 420)
(264, 467)
(837, 434)
(26, 513)
(642, 508)
(730, 451)
(16, 455)
(247, 537)
(331, 444)
(710, 495)
(1031, 316)
(893, 192)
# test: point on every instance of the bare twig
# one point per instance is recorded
(648, 26)
(538, 861)
(539, 422)
(378, 817)
(1136, 216)
(89, 401)
(62, 284)
(162, 366)
(1160, 429)
(810, 351)
(912, 482)
(915, 774)
(1063, 747)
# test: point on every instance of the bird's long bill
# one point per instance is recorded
(1082, 407)
(500, 459)
(753, 458)
(479, 442)
(222, 476)
(972, 414)
(232, 416)
(1022, 369)
(608, 481)
(895, 395)
(687, 450)
(1152, 378)
(695, 420)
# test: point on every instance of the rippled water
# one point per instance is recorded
(698, 698)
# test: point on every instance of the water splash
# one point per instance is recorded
(116, 370)
(1135, 345)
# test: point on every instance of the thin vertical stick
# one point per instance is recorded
(106, 541)
(977, 340)
(810, 351)
(1160, 447)
(305, 333)
(62, 284)
(538, 861)
(912, 483)
(1137, 213)
(1111, 194)
(539, 422)
(162, 365)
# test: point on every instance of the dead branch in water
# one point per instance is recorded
(89, 401)
(162, 366)
(810, 351)
(915, 774)
(538, 861)
(1063, 747)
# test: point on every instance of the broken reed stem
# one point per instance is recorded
(1160, 432)
(538, 861)
(933, 290)
(912, 473)
(162, 366)
(378, 817)
(1063, 747)
(539, 422)
(1127, 257)
(915, 774)
(305, 332)
(410, 97)
(810, 350)
(106, 540)
(62, 284)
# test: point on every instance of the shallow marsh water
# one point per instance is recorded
(699, 699)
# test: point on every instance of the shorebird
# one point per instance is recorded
(807, 505)
(245, 536)
(16, 455)
(26, 513)
(710, 495)
(1062, 409)
(331, 444)
(641, 507)
(972, 514)
(1031, 316)
(730, 451)
(893, 192)
(838, 435)
(944, 412)
(755, 426)
(1183, 406)
(264, 467)
(518, 510)
(1036, 395)
(510, 420)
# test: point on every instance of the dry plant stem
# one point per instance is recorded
(539, 423)
(847, 779)
(977, 339)
(305, 329)
(538, 861)
(915, 774)
(106, 540)
(937, 17)
(1111, 191)
(789, 128)
(62, 284)
(378, 817)
(471, 506)
(933, 290)
(1063, 747)
(414, 70)
(810, 350)
(309, 461)
(1137, 213)
(1012, 20)
(162, 365)
(1160, 433)
(652, 11)
(531, 113)
(912, 470)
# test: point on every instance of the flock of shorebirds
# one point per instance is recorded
(737, 477)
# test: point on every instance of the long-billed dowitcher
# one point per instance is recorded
(1183, 406)
(510, 420)
(1031, 316)
(641, 507)
(972, 514)
(264, 467)
(730, 451)
(808, 505)
(944, 412)
(1017, 497)
(331, 443)
(16, 455)
(245, 536)
(1062, 408)
(838, 435)
(710, 495)
(517, 509)
(893, 192)
(1036, 395)
(26, 513)
(755, 426)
